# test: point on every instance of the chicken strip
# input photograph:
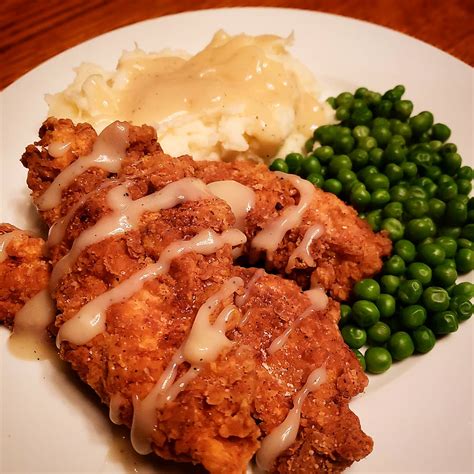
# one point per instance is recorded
(24, 270)
(329, 246)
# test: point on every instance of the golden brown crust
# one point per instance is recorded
(23, 273)
(218, 420)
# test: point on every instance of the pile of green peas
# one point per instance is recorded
(401, 175)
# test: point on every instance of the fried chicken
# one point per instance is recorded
(347, 251)
(220, 418)
(24, 270)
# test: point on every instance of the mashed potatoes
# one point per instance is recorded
(241, 96)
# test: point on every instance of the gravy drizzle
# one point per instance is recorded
(240, 198)
(29, 339)
(90, 320)
(272, 234)
(284, 435)
(204, 343)
(58, 149)
(125, 216)
(242, 299)
(108, 152)
(5, 240)
(303, 251)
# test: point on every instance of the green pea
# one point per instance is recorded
(413, 316)
(294, 161)
(332, 102)
(360, 197)
(421, 272)
(462, 307)
(333, 186)
(435, 299)
(308, 145)
(437, 208)
(456, 211)
(450, 231)
(406, 250)
(311, 165)
(441, 132)
(393, 209)
(394, 228)
(382, 135)
(400, 345)
(445, 275)
(374, 219)
(377, 181)
(465, 289)
(416, 207)
(410, 291)
(343, 144)
(452, 163)
(376, 157)
(384, 108)
(432, 254)
(279, 165)
(378, 360)
(366, 143)
(421, 157)
(444, 322)
(394, 266)
(403, 109)
(433, 172)
(448, 244)
(346, 176)
(345, 310)
(316, 179)
(420, 228)
(361, 116)
(421, 123)
(359, 158)
(379, 333)
(360, 358)
(399, 193)
(394, 153)
(447, 191)
(394, 94)
(465, 172)
(367, 289)
(423, 339)
(343, 113)
(353, 336)
(464, 186)
(379, 197)
(390, 283)
(468, 232)
(365, 313)
(386, 304)
(344, 98)
(338, 162)
(398, 140)
(465, 260)
(465, 244)
(393, 172)
(323, 153)
(365, 172)
(409, 169)
(402, 129)
(417, 192)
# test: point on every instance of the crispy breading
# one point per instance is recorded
(219, 419)
(347, 251)
(23, 273)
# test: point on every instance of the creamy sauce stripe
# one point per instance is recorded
(204, 343)
(90, 320)
(284, 435)
(5, 240)
(108, 152)
(303, 250)
(274, 231)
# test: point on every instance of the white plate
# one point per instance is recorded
(419, 413)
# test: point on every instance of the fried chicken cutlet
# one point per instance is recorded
(24, 270)
(114, 271)
(346, 251)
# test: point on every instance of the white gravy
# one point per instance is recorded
(5, 240)
(303, 251)
(90, 320)
(108, 152)
(284, 435)
(272, 234)
(57, 149)
(240, 198)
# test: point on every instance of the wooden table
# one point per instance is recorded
(33, 31)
